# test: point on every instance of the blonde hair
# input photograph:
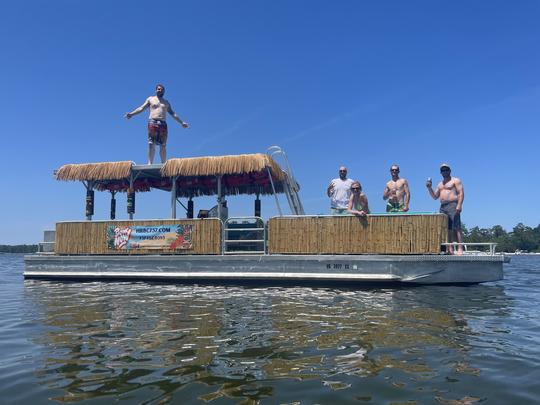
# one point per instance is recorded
(356, 182)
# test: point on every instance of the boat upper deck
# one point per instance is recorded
(195, 176)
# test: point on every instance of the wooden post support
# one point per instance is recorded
(219, 196)
(173, 197)
(113, 205)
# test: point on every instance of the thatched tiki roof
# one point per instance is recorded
(221, 165)
(95, 171)
(240, 174)
(105, 176)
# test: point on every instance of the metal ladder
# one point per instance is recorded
(291, 187)
(244, 235)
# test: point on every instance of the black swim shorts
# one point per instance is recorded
(454, 218)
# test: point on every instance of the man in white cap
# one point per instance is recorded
(451, 193)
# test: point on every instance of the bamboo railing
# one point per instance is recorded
(374, 234)
(90, 237)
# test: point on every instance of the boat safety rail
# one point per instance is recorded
(48, 244)
(491, 246)
(291, 186)
(244, 235)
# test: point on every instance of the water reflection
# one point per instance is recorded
(153, 342)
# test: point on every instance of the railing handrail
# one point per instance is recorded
(291, 186)
(224, 236)
(491, 245)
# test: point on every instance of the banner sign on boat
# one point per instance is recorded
(163, 237)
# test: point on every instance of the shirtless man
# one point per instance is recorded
(451, 194)
(340, 192)
(157, 126)
(397, 192)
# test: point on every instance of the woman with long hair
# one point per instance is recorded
(358, 203)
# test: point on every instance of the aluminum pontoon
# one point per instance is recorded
(297, 248)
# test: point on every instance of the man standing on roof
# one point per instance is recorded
(157, 126)
(339, 192)
(451, 194)
(396, 192)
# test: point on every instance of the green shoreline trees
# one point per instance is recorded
(521, 238)
(18, 248)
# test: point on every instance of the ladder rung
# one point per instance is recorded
(252, 252)
(243, 240)
(244, 229)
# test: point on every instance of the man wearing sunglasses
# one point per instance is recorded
(450, 192)
(396, 192)
(339, 192)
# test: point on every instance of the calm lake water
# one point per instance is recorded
(187, 344)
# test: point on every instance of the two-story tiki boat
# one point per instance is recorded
(297, 248)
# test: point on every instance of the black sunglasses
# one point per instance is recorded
(355, 189)
(445, 170)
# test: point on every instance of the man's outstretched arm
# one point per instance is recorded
(138, 110)
(177, 118)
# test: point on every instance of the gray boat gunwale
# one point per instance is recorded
(421, 269)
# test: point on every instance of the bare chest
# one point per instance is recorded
(449, 185)
(158, 104)
(396, 185)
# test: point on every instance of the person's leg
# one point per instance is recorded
(163, 153)
(450, 248)
(152, 136)
(459, 239)
(151, 153)
(457, 231)
(162, 140)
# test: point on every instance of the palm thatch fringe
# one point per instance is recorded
(221, 165)
(95, 171)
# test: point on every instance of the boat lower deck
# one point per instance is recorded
(419, 269)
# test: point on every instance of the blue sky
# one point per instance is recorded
(355, 83)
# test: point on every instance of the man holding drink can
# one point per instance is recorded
(451, 193)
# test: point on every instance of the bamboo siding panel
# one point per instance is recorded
(90, 237)
(292, 235)
(375, 234)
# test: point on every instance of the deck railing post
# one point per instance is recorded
(113, 205)
(89, 199)
(257, 212)
(131, 197)
(219, 196)
(189, 212)
(173, 197)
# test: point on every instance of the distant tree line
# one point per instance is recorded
(18, 248)
(523, 238)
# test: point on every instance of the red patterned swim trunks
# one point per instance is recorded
(157, 132)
